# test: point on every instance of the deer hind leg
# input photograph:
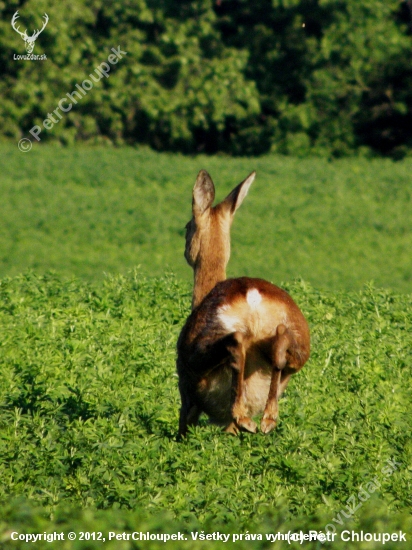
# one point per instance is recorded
(284, 380)
(232, 429)
(239, 410)
(281, 343)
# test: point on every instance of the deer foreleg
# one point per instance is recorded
(189, 416)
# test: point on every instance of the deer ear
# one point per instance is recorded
(235, 198)
(203, 193)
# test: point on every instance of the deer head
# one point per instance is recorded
(29, 40)
(208, 232)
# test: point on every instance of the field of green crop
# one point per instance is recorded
(88, 391)
(89, 409)
(85, 212)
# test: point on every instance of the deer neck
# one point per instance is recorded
(206, 276)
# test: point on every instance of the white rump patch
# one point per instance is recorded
(238, 317)
(253, 298)
(230, 322)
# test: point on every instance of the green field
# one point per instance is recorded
(90, 408)
(86, 212)
(88, 392)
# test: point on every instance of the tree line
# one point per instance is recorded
(329, 77)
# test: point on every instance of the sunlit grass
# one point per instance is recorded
(89, 405)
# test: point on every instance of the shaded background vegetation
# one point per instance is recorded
(291, 76)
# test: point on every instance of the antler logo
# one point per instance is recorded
(29, 40)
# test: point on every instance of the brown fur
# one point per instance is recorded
(244, 338)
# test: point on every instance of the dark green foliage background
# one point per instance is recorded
(89, 409)
(289, 76)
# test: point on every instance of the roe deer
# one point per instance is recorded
(244, 338)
